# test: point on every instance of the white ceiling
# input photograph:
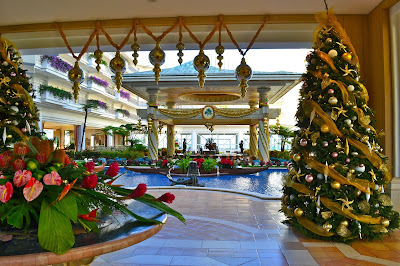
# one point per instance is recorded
(77, 10)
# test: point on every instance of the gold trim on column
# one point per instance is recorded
(209, 96)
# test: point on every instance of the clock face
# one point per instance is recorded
(208, 112)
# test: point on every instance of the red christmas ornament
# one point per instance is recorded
(331, 91)
(309, 178)
(334, 154)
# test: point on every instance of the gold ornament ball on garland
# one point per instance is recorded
(332, 53)
(285, 199)
(346, 57)
(298, 212)
(333, 100)
(291, 154)
(297, 157)
(385, 222)
(335, 185)
(345, 223)
(328, 40)
(327, 226)
(325, 128)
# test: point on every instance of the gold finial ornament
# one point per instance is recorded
(76, 76)
(98, 54)
(157, 59)
(201, 63)
(243, 73)
(135, 48)
(327, 226)
(298, 212)
(180, 46)
(220, 50)
(117, 66)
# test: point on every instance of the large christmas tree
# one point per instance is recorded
(18, 114)
(335, 189)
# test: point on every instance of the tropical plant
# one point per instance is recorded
(284, 132)
(123, 112)
(183, 164)
(56, 92)
(208, 165)
(98, 81)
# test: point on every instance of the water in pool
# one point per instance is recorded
(268, 182)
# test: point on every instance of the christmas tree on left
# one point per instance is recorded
(18, 114)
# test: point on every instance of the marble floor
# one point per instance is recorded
(231, 229)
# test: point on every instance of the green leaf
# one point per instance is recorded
(89, 226)
(149, 200)
(68, 207)
(15, 216)
(55, 230)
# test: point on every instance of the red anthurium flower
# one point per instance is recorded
(90, 181)
(41, 157)
(33, 189)
(89, 166)
(90, 217)
(21, 177)
(52, 179)
(6, 192)
(167, 197)
(20, 148)
(113, 169)
(18, 165)
(139, 191)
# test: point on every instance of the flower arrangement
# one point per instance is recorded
(98, 81)
(58, 93)
(56, 63)
(124, 112)
(226, 163)
(125, 95)
(44, 189)
(97, 103)
(199, 162)
(212, 146)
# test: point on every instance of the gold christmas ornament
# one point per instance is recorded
(326, 215)
(364, 206)
(298, 212)
(297, 157)
(117, 66)
(220, 50)
(325, 128)
(333, 100)
(385, 200)
(335, 185)
(98, 54)
(345, 223)
(328, 40)
(346, 57)
(327, 226)
(201, 63)
(343, 231)
(135, 48)
(385, 222)
(157, 59)
(180, 46)
(243, 73)
(285, 199)
(76, 76)
(358, 193)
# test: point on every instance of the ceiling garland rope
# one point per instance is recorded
(201, 62)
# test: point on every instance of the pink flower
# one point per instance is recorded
(6, 192)
(33, 189)
(52, 179)
(113, 169)
(139, 191)
(89, 166)
(2, 177)
(21, 177)
(167, 197)
(90, 181)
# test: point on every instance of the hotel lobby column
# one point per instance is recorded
(170, 134)
(152, 123)
(253, 136)
(263, 124)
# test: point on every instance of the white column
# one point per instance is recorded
(109, 138)
(194, 141)
(263, 140)
(170, 140)
(153, 138)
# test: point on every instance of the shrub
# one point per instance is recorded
(208, 165)
(56, 92)
(183, 164)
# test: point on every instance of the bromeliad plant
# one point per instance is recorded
(41, 188)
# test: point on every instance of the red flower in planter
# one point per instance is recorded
(52, 179)
(89, 166)
(90, 217)
(67, 160)
(41, 157)
(90, 181)
(6, 192)
(4, 160)
(139, 191)
(167, 197)
(20, 148)
(199, 161)
(22, 177)
(113, 169)
(18, 165)
(33, 189)
(164, 162)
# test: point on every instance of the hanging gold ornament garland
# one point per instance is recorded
(98, 54)
(135, 46)
(244, 72)
(180, 46)
(220, 49)
(76, 74)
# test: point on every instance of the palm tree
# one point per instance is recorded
(284, 132)
(106, 134)
(86, 107)
(132, 128)
(122, 132)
